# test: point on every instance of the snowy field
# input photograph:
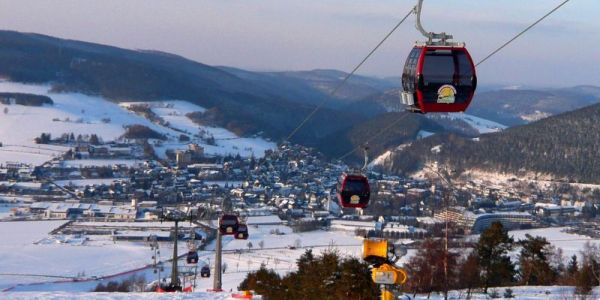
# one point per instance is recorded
(86, 115)
(27, 254)
(571, 244)
(114, 296)
(31, 251)
(71, 112)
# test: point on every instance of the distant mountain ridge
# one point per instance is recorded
(517, 107)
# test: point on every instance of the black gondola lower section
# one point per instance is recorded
(242, 232)
(354, 191)
(192, 257)
(205, 272)
(438, 79)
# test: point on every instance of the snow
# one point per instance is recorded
(423, 134)
(71, 112)
(535, 116)
(68, 255)
(84, 114)
(27, 249)
(519, 292)
(479, 124)
(113, 296)
(570, 243)
(175, 112)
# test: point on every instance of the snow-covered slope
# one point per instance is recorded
(83, 114)
(226, 142)
(479, 124)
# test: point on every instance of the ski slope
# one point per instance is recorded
(30, 251)
(479, 124)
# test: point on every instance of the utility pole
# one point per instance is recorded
(174, 272)
(446, 248)
(176, 216)
(217, 283)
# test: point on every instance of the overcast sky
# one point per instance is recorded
(334, 34)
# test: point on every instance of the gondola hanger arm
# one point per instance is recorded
(441, 39)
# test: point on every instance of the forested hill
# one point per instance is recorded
(400, 128)
(118, 74)
(566, 146)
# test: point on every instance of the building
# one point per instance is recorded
(183, 158)
(476, 223)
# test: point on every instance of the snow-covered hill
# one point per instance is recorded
(480, 124)
(83, 114)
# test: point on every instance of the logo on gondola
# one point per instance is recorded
(446, 94)
(355, 199)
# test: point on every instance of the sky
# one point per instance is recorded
(273, 35)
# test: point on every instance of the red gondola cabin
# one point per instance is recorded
(438, 79)
(353, 191)
(228, 224)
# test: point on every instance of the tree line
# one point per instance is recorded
(489, 265)
(327, 276)
(432, 269)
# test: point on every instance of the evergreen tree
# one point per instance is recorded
(469, 275)
(535, 268)
(572, 266)
(94, 140)
(492, 251)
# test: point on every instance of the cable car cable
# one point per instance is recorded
(314, 111)
(521, 33)
(375, 136)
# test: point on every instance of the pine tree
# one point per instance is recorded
(535, 268)
(469, 275)
(572, 266)
(492, 251)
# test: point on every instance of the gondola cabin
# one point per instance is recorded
(242, 232)
(192, 257)
(438, 79)
(205, 272)
(353, 191)
(228, 224)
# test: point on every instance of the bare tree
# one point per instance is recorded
(261, 244)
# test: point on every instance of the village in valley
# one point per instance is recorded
(110, 196)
